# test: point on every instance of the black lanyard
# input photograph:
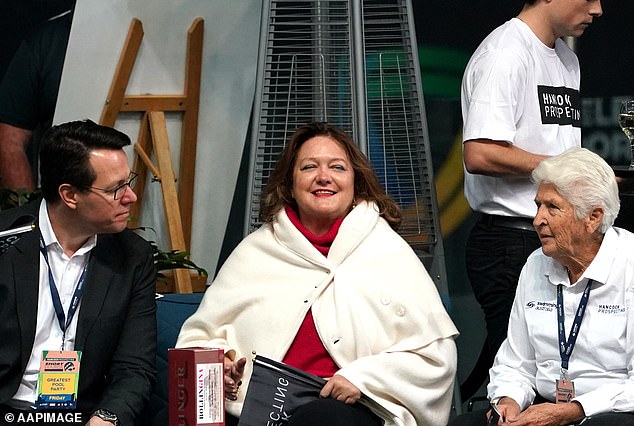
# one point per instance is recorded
(62, 319)
(566, 347)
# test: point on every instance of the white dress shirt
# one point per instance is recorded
(48, 334)
(602, 362)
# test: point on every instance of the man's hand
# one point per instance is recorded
(233, 377)
(548, 414)
(98, 421)
(339, 388)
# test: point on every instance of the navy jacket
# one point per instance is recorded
(116, 328)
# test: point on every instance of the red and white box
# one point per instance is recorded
(196, 387)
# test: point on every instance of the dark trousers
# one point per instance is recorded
(494, 259)
(328, 412)
(478, 418)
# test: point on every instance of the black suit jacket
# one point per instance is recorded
(116, 328)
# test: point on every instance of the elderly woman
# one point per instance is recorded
(569, 354)
(327, 285)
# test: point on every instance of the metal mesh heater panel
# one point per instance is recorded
(396, 129)
(354, 64)
(304, 75)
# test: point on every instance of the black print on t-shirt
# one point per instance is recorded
(559, 105)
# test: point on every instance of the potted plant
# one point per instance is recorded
(167, 261)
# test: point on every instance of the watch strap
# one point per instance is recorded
(107, 415)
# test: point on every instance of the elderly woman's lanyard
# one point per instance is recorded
(565, 389)
(64, 320)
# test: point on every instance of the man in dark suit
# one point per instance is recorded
(80, 250)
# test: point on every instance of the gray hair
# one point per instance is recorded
(585, 180)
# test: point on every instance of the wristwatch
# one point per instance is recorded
(495, 401)
(107, 415)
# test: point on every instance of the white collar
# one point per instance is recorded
(599, 268)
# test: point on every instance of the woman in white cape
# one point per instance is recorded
(326, 285)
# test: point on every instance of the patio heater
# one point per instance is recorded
(353, 63)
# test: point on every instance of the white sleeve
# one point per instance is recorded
(514, 369)
(416, 387)
(493, 93)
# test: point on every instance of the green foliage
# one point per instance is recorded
(172, 259)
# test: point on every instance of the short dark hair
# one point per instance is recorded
(277, 192)
(65, 154)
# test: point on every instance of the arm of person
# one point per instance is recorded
(493, 89)
(415, 384)
(548, 414)
(205, 328)
(506, 408)
(97, 421)
(514, 370)
(15, 169)
(132, 369)
(498, 158)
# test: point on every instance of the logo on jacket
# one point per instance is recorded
(611, 309)
(541, 306)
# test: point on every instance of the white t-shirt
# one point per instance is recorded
(602, 361)
(517, 89)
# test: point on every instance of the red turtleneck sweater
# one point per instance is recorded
(307, 352)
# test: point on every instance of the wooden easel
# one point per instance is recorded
(153, 135)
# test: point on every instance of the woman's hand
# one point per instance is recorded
(339, 388)
(233, 377)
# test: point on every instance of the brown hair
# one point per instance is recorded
(277, 192)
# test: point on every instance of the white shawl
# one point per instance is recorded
(376, 310)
